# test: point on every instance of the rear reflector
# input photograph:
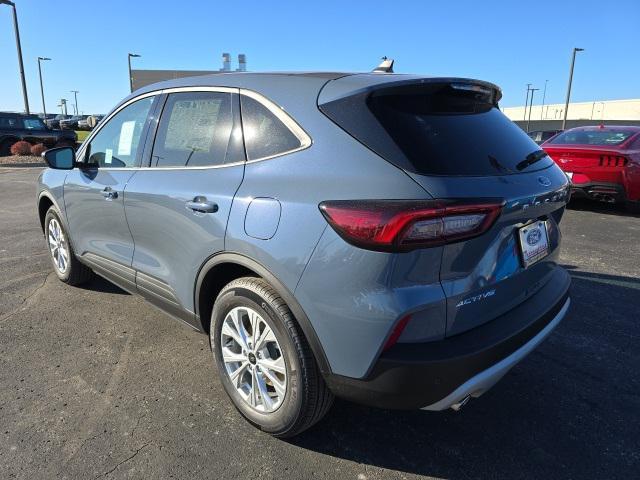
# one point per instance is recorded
(403, 225)
(396, 332)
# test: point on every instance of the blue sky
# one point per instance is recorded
(511, 43)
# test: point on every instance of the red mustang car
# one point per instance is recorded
(602, 162)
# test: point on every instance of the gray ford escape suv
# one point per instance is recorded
(388, 239)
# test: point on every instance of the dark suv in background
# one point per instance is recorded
(31, 128)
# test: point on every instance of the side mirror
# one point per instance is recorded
(63, 158)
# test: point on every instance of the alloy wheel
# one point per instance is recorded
(253, 359)
(58, 246)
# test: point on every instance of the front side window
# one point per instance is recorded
(33, 124)
(117, 144)
(194, 130)
(264, 134)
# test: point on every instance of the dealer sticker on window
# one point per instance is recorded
(534, 242)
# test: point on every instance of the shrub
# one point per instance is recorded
(37, 149)
(21, 148)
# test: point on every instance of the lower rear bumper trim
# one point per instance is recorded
(483, 381)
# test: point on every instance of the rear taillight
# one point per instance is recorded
(613, 161)
(402, 225)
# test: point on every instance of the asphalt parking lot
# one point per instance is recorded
(95, 383)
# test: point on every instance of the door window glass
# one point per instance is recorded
(33, 124)
(264, 134)
(194, 130)
(7, 122)
(116, 145)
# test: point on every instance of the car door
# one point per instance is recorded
(177, 207)
(94, 192)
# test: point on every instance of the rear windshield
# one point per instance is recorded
(593, 137)
(442, 129)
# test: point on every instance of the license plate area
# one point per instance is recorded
(534, 242)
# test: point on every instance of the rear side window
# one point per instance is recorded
(8, 122)
(439, 129)
(265, 135)
(194, 130)
(593, 137)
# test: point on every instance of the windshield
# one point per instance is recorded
(593, 137)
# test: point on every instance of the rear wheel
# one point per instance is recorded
(633, 207)
(264, 361)
(65, 264)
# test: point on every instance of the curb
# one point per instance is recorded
(22, 165)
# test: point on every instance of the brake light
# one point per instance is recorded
(403, 225)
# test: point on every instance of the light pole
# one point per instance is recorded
(533, 90)
(44, 108)
(75, 95)
(566, 104)
(526, 102)
(131, 55)
(17, 32)
(544, 95)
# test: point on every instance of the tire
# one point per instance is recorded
(5, 147)
(306, 398)
(74, 272)
(65, 143)
(633, 207)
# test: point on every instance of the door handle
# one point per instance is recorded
(109, 194)
(201, 204)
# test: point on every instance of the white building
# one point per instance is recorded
(596, 111)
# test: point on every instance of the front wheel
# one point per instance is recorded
(65, 264)
(265, 363)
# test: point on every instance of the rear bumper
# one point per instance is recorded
(603, 191)
(439, 375)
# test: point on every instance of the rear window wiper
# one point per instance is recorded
(531, 159)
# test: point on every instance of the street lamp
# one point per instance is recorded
(44, 108)
(566, 104)
(533, 90)
(526, 102)
(17, 32)
(75, 95)
(131, 55)
(544, 95)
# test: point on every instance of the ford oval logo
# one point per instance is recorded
(544, 181)
(533, 236)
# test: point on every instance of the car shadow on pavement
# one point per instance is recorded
(99, 284)
(570, 410)
(586, 205)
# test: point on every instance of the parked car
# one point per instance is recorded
(72, 122)
(17, 126)
(603, 162)
(541, 136)
(54, 123)
(389, 239)
(89, 122)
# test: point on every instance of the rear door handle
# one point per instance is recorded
(201, 204)
(109, 194)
